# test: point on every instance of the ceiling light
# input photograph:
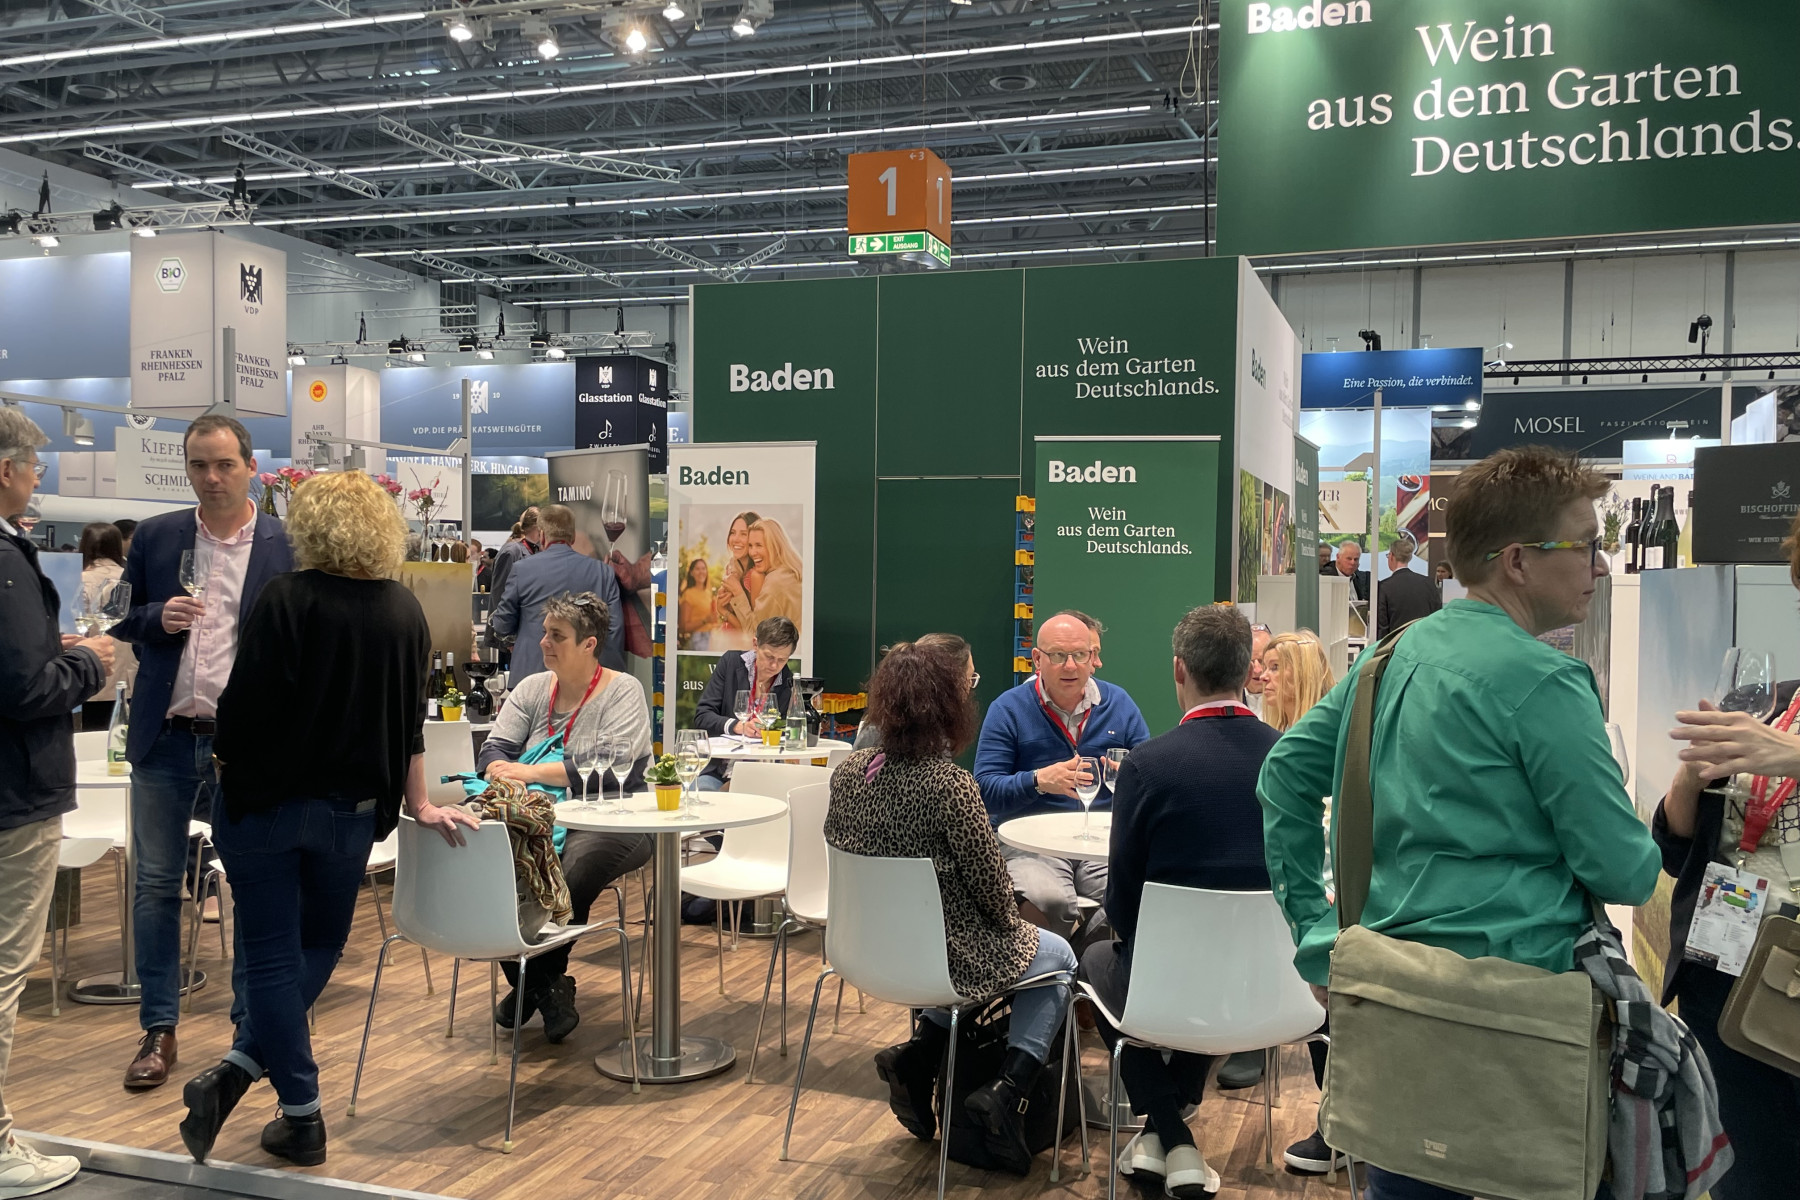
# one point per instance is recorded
(109, 218)
(743, 27)
(1472, 405)
(296, 357)
(78, 428)
(144, 231)
(542, 38)
(48, 241)
(458, 28)
(417, 356)
(635, 41)
(397, 346)
(673, 11)
(555, 352)
(466, 343)
(484, 351)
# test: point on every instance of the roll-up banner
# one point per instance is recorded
(185, 289)
(608, 490)
(1306, 534)
(1126, 531)
(743, 519)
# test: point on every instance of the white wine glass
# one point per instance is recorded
(587, 757)
(1087, 788)
(1615, 738)
(691, 754)
(192, 576)
(740, 705)
(112, 603)
(1115, 762)
(622, 762)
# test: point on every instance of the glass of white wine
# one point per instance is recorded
(1087, 790)
(692, 751)
(97, 611)
(192, 577)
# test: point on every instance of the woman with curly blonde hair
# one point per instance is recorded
(1296, 676)
(338, 650)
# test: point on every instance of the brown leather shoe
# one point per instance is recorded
(155, 1059)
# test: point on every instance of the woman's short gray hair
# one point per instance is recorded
(19, 434)
(585, 614)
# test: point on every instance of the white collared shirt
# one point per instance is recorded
(212, 640)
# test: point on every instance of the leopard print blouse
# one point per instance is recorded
(931, 808)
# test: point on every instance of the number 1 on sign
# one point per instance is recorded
(891, 177)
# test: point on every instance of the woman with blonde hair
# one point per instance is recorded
(771, 588)
(342, 650)
(1296, 676)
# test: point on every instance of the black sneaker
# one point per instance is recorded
(1313, 1156)
(1242, 1070)
(503, 1011)
(557, 1003)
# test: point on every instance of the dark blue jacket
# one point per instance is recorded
(39, 684)
(1017, 738)
(151, 569)
(555, 569)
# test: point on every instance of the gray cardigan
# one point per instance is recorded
(617, 714)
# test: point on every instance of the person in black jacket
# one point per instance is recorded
(758, 670)
(321, 733)
(1405, 595)
(1185, 813)
(43, 678)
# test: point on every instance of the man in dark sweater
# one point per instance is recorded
(1404, 595)
(1184, 813)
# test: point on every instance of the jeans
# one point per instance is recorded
(295, 871)
(709, 783)
(1054, 885)
(27, 878)
(1158, 1089)
(1037, 1013)
(173, 785)
(1758, 1105)
(590, 862)
(1385, 1185)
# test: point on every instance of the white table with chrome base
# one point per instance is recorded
(666, 1055)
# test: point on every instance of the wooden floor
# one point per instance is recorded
(432, 1108)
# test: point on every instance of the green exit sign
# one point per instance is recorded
(921, 246)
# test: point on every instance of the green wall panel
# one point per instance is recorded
(950, 374)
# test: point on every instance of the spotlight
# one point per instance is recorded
(48, 241)
(338, 360)
(1584, 379)
(542, 37)
(9, 221)
(674, 11)
(459, 28)
(1468, 422)
(1471, 405)
(109, 218)
(417, 356)
(555, 352)
(1771, 374)
(485, 351)
(466, 343)
(78, 428)
(743, 26)
(145, 231)
(296, 357)
(397, 346)
(635, 41)
(1371, 339)
(1646, 378)
(539, 341)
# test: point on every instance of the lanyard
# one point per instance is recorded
(755, 689)
(1764, 802)
(1074, 738)
(550, 717)
(1221, 708)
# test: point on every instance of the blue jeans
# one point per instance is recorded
(1385, 1185)
(1037, 1012)
(173, 785)
(709, 783)
(295, 871)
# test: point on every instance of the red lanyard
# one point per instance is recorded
(1222, 708)
(1764, 804)
(755, 691)
(1074, 738)
(550, 717)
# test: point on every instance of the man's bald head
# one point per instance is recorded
(1064, 659)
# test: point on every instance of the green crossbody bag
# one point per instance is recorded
(1479, 1075)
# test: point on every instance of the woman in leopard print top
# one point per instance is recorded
(908, 799)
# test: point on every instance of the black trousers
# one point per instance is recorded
(1158, 1089)
(1759, 1105)
(591, 862)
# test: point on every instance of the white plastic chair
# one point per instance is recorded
(886, 936)
(808, 897)
(1211, 973)
(449, 750)
(383, 855)
(72, 855)
(752, 860)
(461, 901)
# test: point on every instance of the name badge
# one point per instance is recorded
(1732, 905)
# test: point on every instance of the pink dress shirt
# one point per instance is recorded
(212, 640)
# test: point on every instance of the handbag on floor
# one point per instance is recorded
(980, 1050)
(1478, 1075)
(1762, 1014)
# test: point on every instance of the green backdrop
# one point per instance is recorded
(939, 384)
(1358, 103)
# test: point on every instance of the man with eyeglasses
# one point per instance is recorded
(1028, 760)
(1253, 686)
(43, 676)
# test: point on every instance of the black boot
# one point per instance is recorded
(300, 1140)
(999, 1108)
(557, 1003)
(509, 1003)
(210, 1096)
(911, 1072)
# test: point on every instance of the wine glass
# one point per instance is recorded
(192, 575)
(615, 506)
(1087, 788)
(691, 754)
(622, 762)
(741, 705)
(1746, 683)
(97, 611)
(587, 757)
(1615, 738)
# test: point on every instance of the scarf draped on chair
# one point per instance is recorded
(530, 818)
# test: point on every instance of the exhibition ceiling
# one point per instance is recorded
(1077, 130)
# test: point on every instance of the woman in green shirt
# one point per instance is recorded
(1498, 807)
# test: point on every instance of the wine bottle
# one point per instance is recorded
(434, 687)
(116, 732)
(1650, 557)
(1633, 535)
(450, 674)
(1670, 533)
(1685, 552)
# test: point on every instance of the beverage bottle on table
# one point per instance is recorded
(793, 732)
(434, 687)
(116, 732)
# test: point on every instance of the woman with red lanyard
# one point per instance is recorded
(601, 715)
(1731, 815)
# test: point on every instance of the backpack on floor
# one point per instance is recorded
(980, 1051)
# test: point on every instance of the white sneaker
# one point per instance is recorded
(25, 1172)
(1188, 1177)
(1143, 1155)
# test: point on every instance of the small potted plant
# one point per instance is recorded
(1612, 513)
(666, 779)
(450, 704)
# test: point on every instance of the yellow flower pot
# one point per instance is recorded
(452, 714)
(771, 737)
(668, 797)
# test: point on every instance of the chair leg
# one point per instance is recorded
(763, 1014)
(1112, 1126)
(800, 1071)
(719, 932)
(625, 1001)
(375, 895)
(949, 1091)
(784, 983)
(494, 1002)
(1272, 1068)
(218, 886)
(837, 1014)
(737, 922)
(455, 970)
(512, 1083)
(55, 967)
(1268, 1111)
(362, 1055)
(1350, 1170)
(1062, 1087)
(193, 954)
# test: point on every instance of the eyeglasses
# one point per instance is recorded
(974, 680)
(1591, 545)
(38, 466)
(1060, 657)
(1260, 628)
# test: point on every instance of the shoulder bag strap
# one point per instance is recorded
(1352, 859)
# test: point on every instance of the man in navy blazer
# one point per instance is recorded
(555, 569)
(185, 648)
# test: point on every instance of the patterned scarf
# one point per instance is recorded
(1665, 1138)
(530, 817)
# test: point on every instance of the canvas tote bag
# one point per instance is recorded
(1479, 1075)
(1762, 1015)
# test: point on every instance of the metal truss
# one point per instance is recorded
(1667, 364)
(150, 170)
(461, 314)
(173, 216)
(730, 273)
(452, 267)
(128, 10)
(299, 162)
(630, 339)
(328, 275)
(597, 164)
(576, 265)
(431, 145)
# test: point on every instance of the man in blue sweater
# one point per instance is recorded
(1028, 759)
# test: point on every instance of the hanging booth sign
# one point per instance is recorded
(336, 400)
(1405, 378)
(1593, 422)
(151, 464)
(623, 400)
(1745, 499)
(186, 288)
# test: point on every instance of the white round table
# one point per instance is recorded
(731, 751)
(1057, 835)
(92, 773)
(664, 1055)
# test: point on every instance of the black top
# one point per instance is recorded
(731, 676)
(327, 696)
(40, 683)
(1185, 812)
(1404, 596)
